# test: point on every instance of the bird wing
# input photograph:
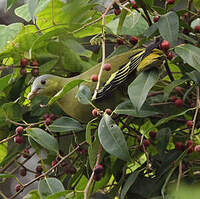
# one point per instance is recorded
(121, 75)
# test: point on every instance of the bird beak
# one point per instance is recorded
(32, 94)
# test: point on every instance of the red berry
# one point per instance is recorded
(18, 139)
(133, 40)
(146, 143)
(134, 5)
(107, 67)
(117, 11)
(19, 130)
(189, 124)
(98, 177)
(191, 149)
(18, 187)
(83, 151)
(95, 112)
(179, 103)
(22, 172)
(35, 72)
(178, 89)
(94, 78)
(119, 41)
(98, 169)
(173, 98)
(53, 163)
(26, 153)
(156, 18)
(170, 2)
(34, 63)
(48, 121)
(45, 116)
(22, 71)
(152, 134)
(179, 146)
(189, 143)
(72, 170)
(23, 62)
(197, 148)
(39, 169)
(63, 164)
(165, 45)
(197, 29)
(108, 111)
(170, 55)
(52, 116)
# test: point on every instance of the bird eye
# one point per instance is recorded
(43, 81)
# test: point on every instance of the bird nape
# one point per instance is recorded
(123, 71)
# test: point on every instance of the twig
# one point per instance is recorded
(127, 9)
(52, 14)
(103, 50)
(48, 171)
(146, 13)
(92, 175)
(168, 71)
(196, 112)
(179, 175)
(7, 139)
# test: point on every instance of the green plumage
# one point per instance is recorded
(122, 72)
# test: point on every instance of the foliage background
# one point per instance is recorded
(65, 38)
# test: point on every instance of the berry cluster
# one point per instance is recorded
(189, 145)
(34, 64)
(98, 172)
(19, 132)
(49, 118)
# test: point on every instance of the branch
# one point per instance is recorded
(179, 175)
(47, 172)
(103, 50)
(91, 177)
(168, 71)
(196, 112)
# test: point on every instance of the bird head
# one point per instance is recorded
(45, 85)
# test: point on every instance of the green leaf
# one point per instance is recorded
(167, 119)
(189, 54)
(49, 186)
(134, 24)
(93, 151)
(140, 87)
(89, 129)
(168, 26)
(84, 95)
(12, 111)
(8, 33)
(112, 138)
(162, 137)
(64, 90)
(65, 124)
(196, 4)
(195, 76)
(32, 195)
(127, 108)
(6, 175)
(3, 151)
(26, 12)
(149, 3)
(61, 195)
(169, 88)
(129, 182)
(122, 19)
(43, 138)
(4, 81)
(32, 5)
(151, 30)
